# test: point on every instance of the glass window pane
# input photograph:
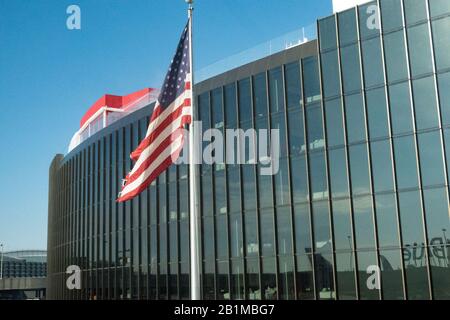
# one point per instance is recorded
(265, 190)
(342, 225)
(327, 31)
(345, 268)
(311, 79)
(245, 106)
(323, 270)
(293, 85)
(251, 234)
(281, 180)
(411, 219)
(383, 178)
(249, 186)
(366, 260)
(230, 105)
(318, 176)
(223, 290)
(439, 7)
(441, 44)
(267, 232)
(330, 74)
(437, 215)
(334, 122)
(419, 50)
(348, 32)
(372, 62)
(237, 279)
(297, 144)
(286, 278)
(405, 162)
(431, 160)
(236, 236)
(217, 108)
(315, 127)
(284, 231)
(386, 213)
(234, 190)
(304, 278)
(278, 121)
(359, 169)
(444, 97)
(415, 11)
(299, 179)
(364, 223)
(208, 237)
(391, 274)
(260, 94)
(276, 90)
(400, 104)
(221, 236)
(425, 103)
(355, 119)
(302, 229)
(253, 291)
(377, 113)
(391, 11)
(395, 55)
(351, 72)
(321, 223)
(269, 278)
(338, 173)
(369, 24)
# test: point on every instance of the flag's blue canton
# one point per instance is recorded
(174, 83)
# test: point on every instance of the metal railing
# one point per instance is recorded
(260, 51)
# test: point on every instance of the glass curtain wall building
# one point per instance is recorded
(364, 120)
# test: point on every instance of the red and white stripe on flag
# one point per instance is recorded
(164, 139)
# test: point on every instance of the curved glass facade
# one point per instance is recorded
(364, 123)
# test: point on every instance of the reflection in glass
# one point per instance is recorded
(245, 106)
(411, 220)
(281, 180)
(276, 90)
(284, 231)
(351, 72)
(286, 278)
(364, 223)
(334, 122)
(321, 223)
(345, 274)
(299, 179)
(444, 97)
(431, 159)
(302, 229)
(391, 11)
(391, 274)
(366, 260)
(400, 105)
(253, 291)
(383, 178)
(269, 279)
(323, 270)
(338, 173)
(355, 119)
(415, 11)
(230, 105)
(297, 143)
(318, 176)
(359, 169)
(311, 82)
(342, 225)
(315, 127)
(266, 221)
(293, 85)
(260, 94)
(405, 162)
(251, 234)
(304, 278)
(387, 225)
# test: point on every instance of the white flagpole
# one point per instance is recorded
(194, 204)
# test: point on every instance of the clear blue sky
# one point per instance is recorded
(49, 76)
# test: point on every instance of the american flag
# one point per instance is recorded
(164, 140)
